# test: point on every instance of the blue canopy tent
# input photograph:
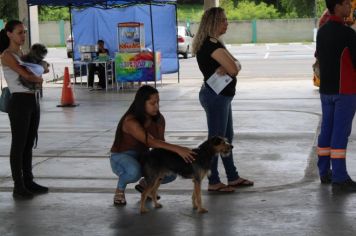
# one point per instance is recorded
(97, 19)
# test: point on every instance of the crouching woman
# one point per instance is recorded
(141, 127)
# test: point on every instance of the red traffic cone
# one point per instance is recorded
(67, 99)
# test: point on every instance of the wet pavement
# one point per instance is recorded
(276, 124)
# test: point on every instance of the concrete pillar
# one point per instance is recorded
(210, 3)
(34, 28)
(35, 33)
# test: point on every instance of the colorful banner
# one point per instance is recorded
(134, 67)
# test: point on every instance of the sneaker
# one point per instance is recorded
(326, 179)
(348, 186)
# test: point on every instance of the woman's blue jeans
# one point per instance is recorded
(127, 167)
(219, 118)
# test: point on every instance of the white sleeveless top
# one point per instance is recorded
(13, 78)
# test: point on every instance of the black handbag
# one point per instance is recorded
(5, 98)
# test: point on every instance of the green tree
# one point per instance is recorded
(303, 8)
(248, 10)
(53, 13)
(320, 7)
(9, 10)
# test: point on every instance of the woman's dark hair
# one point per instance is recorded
(330, 4)
(137, 109)
(4, 39)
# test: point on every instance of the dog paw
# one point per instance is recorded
(158, 205)
(202, 210)
(143, 210)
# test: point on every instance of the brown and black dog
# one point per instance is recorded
(159, 162)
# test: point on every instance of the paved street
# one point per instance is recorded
(276, 119)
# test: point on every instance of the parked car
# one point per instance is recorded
(185, 40)
(69, 46)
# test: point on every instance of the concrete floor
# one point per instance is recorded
(276, 123)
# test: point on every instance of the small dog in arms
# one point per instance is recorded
(159, 162)
(34, 62)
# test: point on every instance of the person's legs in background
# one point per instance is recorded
(324, 139)
(91, 72)
(217, 113)
(20, 119)
(101, 74)
(27, 156)
(345, 106)
(228, 161)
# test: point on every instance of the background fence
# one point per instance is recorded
(54, 33)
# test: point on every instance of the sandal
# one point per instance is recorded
(119, 199)
(241, 182)
(222, 188)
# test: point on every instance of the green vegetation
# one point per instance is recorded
(193, 12)
(53, 14)
(8, 10)
(245, 10)
(302, 8)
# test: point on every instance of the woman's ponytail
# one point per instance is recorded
(4, 40)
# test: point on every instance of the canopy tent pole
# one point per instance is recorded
(29, 26)
(72, 42)
(153, 46)
(175, 6)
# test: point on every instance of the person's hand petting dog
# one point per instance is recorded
(186, 153)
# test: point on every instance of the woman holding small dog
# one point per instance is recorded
(213, 57)
(23, 111)
(141, 127)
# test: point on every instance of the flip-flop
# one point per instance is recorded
(222, 189)
(140, 189)
(242, 183)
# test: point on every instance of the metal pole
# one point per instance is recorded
(29, 26)
(153, 45)
(175, 5)
(71, 33)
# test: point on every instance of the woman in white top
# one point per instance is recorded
(23, 111)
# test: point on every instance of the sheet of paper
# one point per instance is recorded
(218, 82)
